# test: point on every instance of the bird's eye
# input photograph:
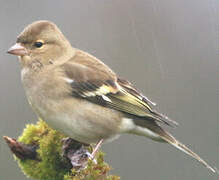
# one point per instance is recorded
(38, 44)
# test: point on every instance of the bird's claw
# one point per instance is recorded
(76, 153)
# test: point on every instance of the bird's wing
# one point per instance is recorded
(91, 79)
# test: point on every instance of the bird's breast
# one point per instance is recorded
(77, 118)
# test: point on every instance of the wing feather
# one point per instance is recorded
(91, 79)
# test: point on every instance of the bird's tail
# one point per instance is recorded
(171, 140)
(154, 131)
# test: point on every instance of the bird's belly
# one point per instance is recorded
(79, 128)
(81, 120)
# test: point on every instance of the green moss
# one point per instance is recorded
(97, 171)
(50, 165)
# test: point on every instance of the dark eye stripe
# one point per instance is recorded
(38, 44)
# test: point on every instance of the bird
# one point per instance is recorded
(80, 96)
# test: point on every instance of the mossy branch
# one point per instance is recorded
(39, 153)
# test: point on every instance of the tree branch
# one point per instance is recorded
(44, 154)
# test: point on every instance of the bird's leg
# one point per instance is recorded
(96, 148)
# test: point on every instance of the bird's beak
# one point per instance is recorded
(17, 50)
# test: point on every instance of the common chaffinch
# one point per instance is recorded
(77, 94)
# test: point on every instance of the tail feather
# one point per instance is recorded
(151, 129)
(171, 140)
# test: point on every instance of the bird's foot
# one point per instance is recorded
(77, 153)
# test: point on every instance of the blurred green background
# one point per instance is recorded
(169, 49)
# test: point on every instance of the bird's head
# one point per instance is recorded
(41, 41)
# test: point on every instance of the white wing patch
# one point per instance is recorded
(106, 98)
(68, 80)
(101, 91)
(89, 94)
